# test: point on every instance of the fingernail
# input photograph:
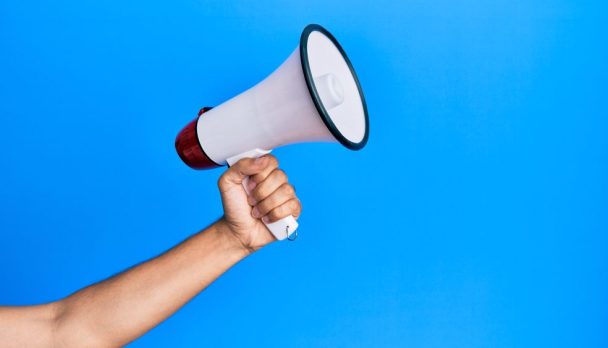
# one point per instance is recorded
(251, 200)
(266, 219)
(251, 185)
(255, 212)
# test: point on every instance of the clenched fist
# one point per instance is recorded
(272, 198)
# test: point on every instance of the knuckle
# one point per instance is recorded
(288, 189)
(283, 176)
(222, 181)
(238, 164)
(272, 161)
(264, 207)
(277, 213)
(246, 161)
(257, 179)
(291, 207)
(273, 216)
(258, 193)
(246, 164)
(272, 202)
(295, 205)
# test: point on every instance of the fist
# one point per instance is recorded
(271, 198)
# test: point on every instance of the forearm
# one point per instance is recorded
(120, 309)
(30, 326)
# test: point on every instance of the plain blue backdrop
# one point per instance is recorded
(477, 216)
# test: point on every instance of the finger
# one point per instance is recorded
(272, 164)
(241, 169)
(281, 195)
(272, 182)
(292, 207)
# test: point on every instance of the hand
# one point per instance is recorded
(272, 198)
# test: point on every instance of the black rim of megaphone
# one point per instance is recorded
(315, 95)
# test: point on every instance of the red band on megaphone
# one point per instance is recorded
(189, 148)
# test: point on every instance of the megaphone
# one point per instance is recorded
(314, 95)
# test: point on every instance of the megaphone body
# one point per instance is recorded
(313, 96)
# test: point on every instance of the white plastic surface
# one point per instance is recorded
(277, 111)
(330, 90)
(325, 58)
(283, 228)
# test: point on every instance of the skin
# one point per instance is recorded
(120, 309)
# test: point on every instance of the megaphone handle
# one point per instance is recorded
(282, 229)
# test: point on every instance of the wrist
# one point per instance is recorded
(230, 240)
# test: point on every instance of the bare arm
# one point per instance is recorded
(120, 309)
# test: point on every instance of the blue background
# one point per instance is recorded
(477, 216)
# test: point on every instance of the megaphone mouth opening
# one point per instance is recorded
(314, 93)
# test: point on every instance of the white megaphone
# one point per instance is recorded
(313, 96)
